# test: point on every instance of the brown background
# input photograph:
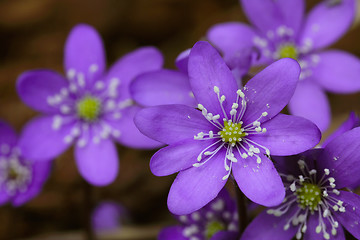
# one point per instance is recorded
(32, 35)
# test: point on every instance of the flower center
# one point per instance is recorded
(288, 51)
(309, 196)
(88, 108)
(212, 228)
(232, 132)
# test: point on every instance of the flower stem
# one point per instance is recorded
(241, 208)
(88, 205)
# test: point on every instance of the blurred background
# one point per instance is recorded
(32, 35)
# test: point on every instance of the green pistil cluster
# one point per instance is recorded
(232, 132)
(13, 174)
(288, 51)
(309, 195)
(212, 228)
(88, 108)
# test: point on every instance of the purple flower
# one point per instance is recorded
(281, 30)
(108, 216)
(172, 86)
(90, 108)
(218, 220)
(234, 131)
(352, 122)
(20, 179)
(316, 202)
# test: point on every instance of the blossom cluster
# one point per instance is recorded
(213, 126)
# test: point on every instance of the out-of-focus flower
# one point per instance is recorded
(280, 30)
(108, 216)
(90, 108)
(218, 220)
(316, 205)
(20, 179)
(234, 131)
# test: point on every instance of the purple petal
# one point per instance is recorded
(35, 88)
(182, 60)
(107, 216)
(325, 24)
(171, 123)
(207, 70)
(268, 15)
(177, 157)
(172, 233)
(162, 87)
(352, 122)
(266, 226)
(40, 174)
(130, 135)
(310, 101)
(84, 53)
(338, 71)
(261, 183)
(4, 197)
(341, 156)
(288, 135)
(7, 135)
(197, 186)
(313, 222)
(98, 163)
(225, 235)
(271, 89)
(350, 219)
(40, 141)
(231, 38)
(139, 61)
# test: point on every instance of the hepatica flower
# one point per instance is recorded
(233, 130)
(215, 221)
(20, 179)
(280, 30)
(167, 86)
(317, 205)
(88, 108)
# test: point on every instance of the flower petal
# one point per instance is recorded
(35, 87)
(231, 37)
(182, 61)
(207, 70)
(84, 53)
(197, 186)
(172, 233)
(352, 122)
(288, 135)
(8, 136)
(40, 173)
(40, 141)
(261, 183)
(177, 157)
(310, 101)
(171, 123)
(325, 24)
(338, 71)
(162, 87)
(133, 64)
(350, 219)
(98, 163)
(130, 135)
(268, 15)
(341, 156)
(313, 222)
(225, 235)
(266, 226)
(271, 89)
